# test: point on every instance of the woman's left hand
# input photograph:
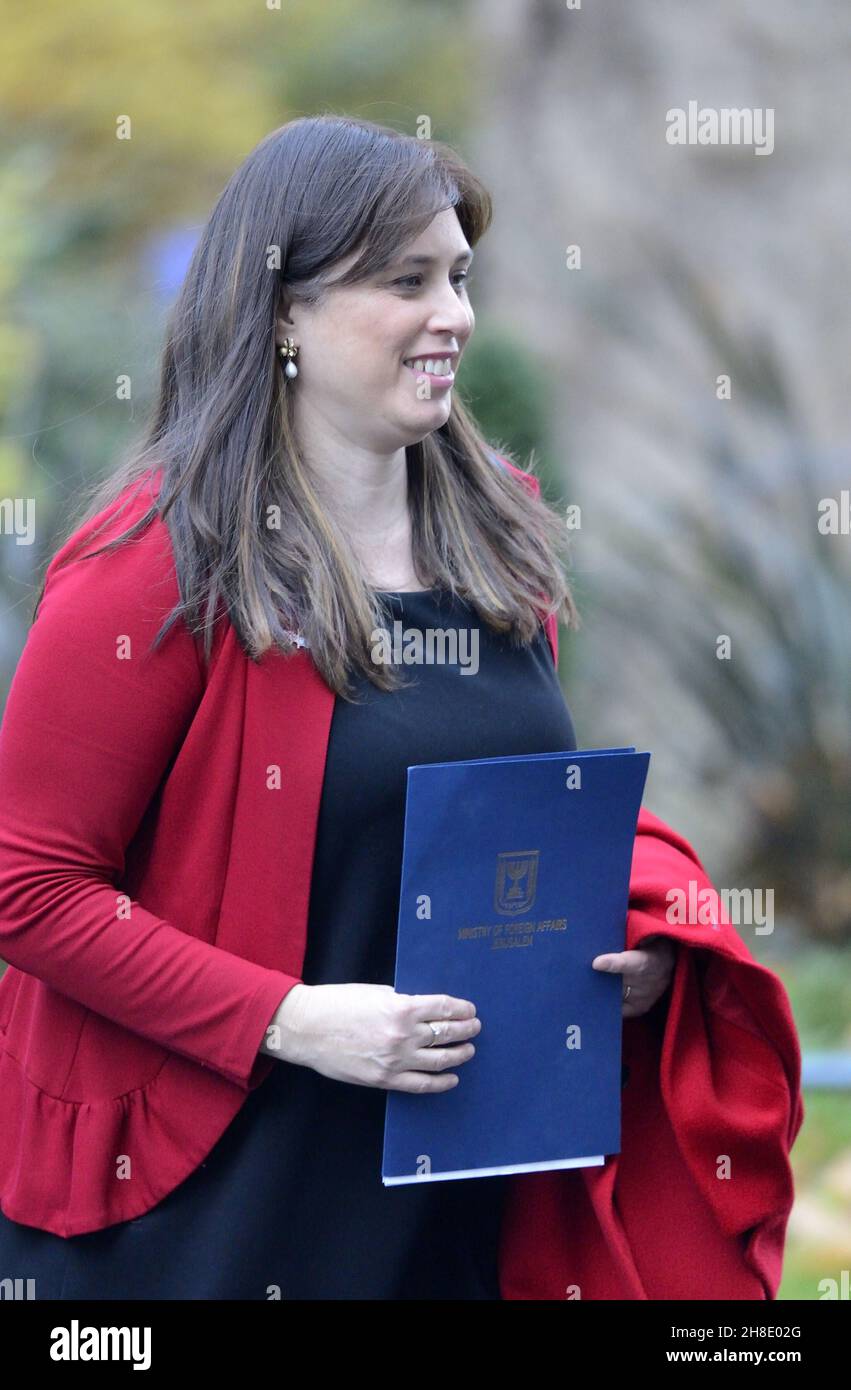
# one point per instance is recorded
(647, 972)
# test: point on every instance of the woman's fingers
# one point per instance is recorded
(420, 1083)
(622, 962)
(439, 1058)
(434, 1007)
(647, 972)
(448, 1031)
(437, 1020)
(445, 1044)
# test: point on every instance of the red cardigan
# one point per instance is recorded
(154, 889)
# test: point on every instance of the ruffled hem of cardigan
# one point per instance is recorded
(184, 1108)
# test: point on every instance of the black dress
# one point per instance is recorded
(289, 1202)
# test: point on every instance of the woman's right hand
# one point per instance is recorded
(371, 1036)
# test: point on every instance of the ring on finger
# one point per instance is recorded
(436, 1031)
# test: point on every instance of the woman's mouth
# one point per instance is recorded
(437, 369)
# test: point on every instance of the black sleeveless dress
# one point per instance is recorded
(289, 1202)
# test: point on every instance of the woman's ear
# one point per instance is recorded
(283, 323)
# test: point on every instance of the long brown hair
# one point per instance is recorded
(317, 190)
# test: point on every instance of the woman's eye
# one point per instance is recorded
(460, 275)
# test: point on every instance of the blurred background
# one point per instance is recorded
(662, 332)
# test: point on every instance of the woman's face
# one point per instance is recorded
(353, 385)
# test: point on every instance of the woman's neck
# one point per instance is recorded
(368, 498)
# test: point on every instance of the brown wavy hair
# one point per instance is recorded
(319, 188)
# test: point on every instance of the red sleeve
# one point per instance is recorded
(90, 726)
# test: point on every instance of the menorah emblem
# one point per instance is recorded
(516, 877)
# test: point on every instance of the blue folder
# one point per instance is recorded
(515, 875)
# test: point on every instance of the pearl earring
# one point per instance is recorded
(289, 352)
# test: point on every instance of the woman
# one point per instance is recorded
(202, 771)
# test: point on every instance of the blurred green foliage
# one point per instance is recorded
(201, 84)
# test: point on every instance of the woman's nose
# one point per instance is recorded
(449, 314)
(457, 324)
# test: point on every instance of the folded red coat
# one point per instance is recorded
(695, 1206)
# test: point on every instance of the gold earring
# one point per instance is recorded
(289, 352)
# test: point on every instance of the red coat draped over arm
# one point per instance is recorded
(696, 1204)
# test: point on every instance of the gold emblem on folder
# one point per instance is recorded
(516, 877)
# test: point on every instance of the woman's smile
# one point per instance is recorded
(437, 369)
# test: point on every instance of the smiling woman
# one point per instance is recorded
(365, 345)
(297, 479)
(200, 842)
(290, 500)
(437, 366)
